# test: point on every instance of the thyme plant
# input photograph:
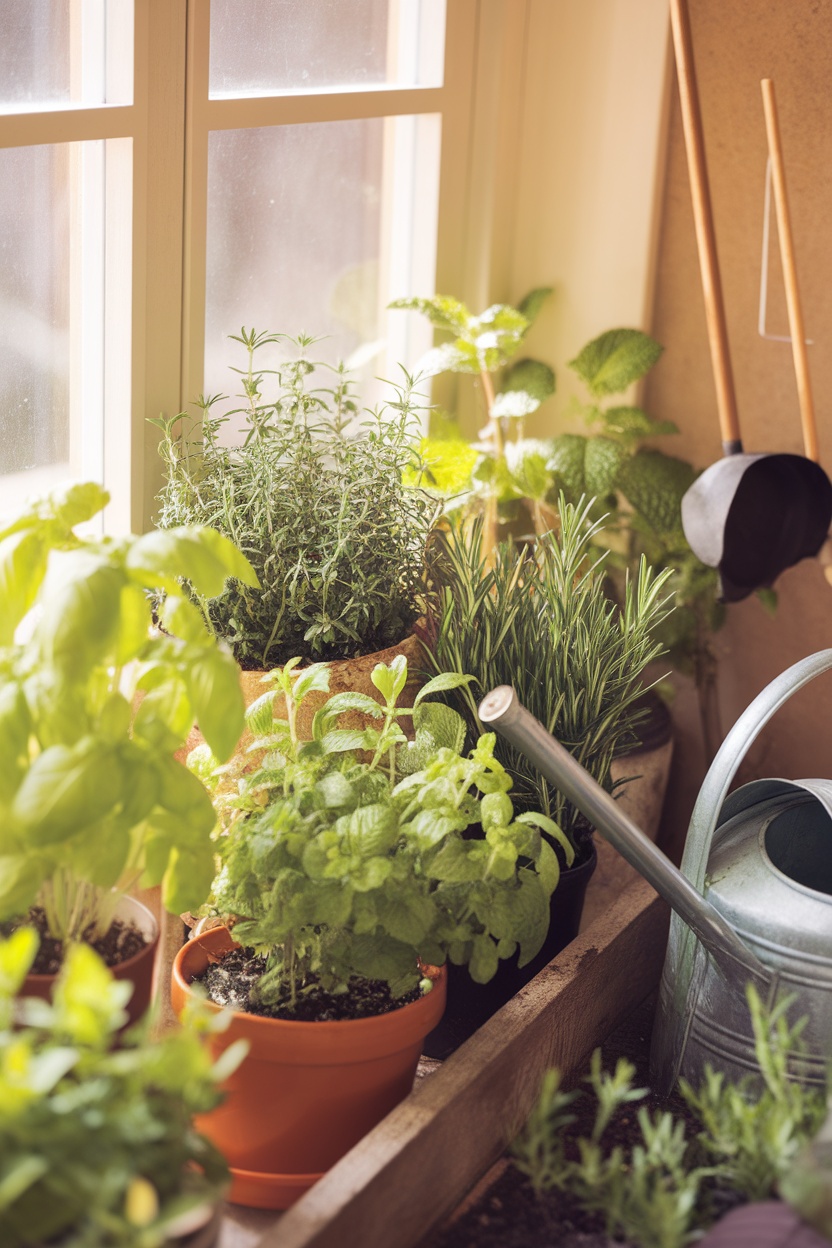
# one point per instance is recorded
(538, 618)
(315, 497)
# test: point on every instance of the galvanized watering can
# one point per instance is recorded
(752, 902)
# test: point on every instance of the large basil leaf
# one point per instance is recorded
(213, 683)
(67, 788)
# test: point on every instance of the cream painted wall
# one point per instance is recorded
(590, 163)
(566, 168)
(736, 44)
(593, 198)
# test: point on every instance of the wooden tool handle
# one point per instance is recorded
(705, 238)
(787, 259)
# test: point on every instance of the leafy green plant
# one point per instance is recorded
(343, 864)
(647, 1196)
(538, 618)
(484, 345)
(92, 709)
(97, 1146)
(641, 490)
(753, 1133)
(657, 1194)
(315, 497)
(637, 488)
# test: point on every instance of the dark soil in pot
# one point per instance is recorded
(119, 943)
(230, 979)
(510, 1215)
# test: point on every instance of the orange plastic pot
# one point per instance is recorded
(138, 969)
(306, 1092)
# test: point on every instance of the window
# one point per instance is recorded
(66, 115)
(170, 172)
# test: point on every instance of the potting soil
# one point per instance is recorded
(231, 981)
(510, 1215)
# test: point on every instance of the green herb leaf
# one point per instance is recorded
(614, 360)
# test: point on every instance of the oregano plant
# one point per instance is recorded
(348, 855)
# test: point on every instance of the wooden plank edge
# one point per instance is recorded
(412, 1170)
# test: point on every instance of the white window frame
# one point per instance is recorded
(153, 351)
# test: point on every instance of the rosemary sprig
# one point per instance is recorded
(539, 619)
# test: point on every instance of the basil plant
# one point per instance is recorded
(359, 853)
(93, 706)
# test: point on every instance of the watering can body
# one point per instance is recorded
(769, 874)
(751, 903)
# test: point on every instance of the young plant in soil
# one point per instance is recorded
(314, 493)
(538, 617)
(349, 858)
(665, 1187)
(97, 1147)
(92, 710)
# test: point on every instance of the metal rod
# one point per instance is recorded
(501, 710)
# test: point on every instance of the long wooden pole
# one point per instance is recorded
(705, 237)
(789, 263)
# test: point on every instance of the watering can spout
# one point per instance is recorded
(501, 710)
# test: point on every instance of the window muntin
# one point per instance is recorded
(57, 54)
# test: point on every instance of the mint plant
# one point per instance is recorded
(93, 708)
(347, 855)
(637, 488)
(315, 495)
(484, 345)
(97, 1145)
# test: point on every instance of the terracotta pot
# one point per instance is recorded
(138, 969)
(471, 1004)
(345, 676)
(306, 1092)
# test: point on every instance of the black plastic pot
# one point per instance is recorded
(470, 1005)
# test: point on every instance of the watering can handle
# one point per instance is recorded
(731, 753)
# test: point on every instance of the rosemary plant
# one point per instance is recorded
(659, 1193)
(538, 618)
(315, 497)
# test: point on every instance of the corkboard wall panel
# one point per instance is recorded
(736, 43)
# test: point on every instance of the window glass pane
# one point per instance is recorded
(267, 46)
(314, 229)
(51, 315)
(65, 53)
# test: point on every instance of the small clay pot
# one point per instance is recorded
(138, 969)
(345, 676)
(306, 1092)
(645, 765)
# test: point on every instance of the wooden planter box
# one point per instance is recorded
(418, 1164)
